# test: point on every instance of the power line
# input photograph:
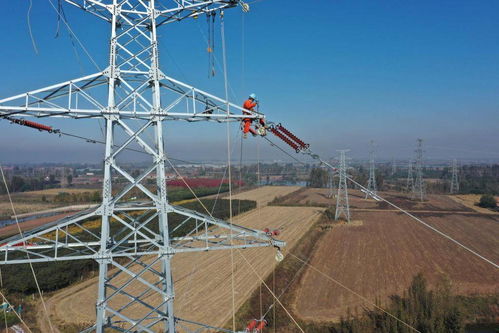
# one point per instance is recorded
(315, 156)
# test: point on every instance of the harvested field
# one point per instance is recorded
(318, 197)
(31, 201)
(48, 193)
(203, 280)
(380, 257)
(22, 207)
(470, 201)
(263, 195)
(12, 229)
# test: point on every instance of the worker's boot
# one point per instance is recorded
(245, 135)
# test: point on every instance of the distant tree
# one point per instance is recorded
(17, 184)
(487, 201)
(96, 196)
(69, 179)
(318, 178)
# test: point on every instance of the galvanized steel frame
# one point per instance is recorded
(133, 84)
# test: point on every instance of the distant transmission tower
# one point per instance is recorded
(371, 183)
(410, 178)
(418, 190)
(342, 206)
(454, 185)
(394, 167)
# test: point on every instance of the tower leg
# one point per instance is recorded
(105, 215)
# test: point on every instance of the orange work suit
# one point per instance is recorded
(249, 104)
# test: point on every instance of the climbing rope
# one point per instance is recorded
(224, 55)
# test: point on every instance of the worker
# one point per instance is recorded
(250, 105)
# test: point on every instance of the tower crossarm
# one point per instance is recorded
(167, 11)
(81, 98)
(78, 236)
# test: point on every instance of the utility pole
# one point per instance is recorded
(418, 190)
(410, 178)
(136, 239)
(454, 185)
(371, 183)
(342, 205)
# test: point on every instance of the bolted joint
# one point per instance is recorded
(100, 306)
(103, 258)
(107, 209)
(112, 112)
(166, 250)
(114, 10)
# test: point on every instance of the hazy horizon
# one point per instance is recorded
(337, 77)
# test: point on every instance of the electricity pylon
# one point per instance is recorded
(454, 184)
(371, 183)
(410, 178)
(342, 205)
(394, 167)
(136, 239)
(418, 190)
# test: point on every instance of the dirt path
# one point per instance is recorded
(202, 281)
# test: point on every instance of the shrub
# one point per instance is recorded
(487, 201)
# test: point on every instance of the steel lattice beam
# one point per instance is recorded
(132, 241)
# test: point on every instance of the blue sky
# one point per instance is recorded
(338, 73)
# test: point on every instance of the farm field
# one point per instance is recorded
(200, 298)
(263, 195)
(379, 256)
(31, 201)
(470, 200)
(12, 229)
(318, 197)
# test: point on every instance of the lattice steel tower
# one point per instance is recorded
(394, 167)
(410, 178)
(418, 190)
(454, 184)
(136, 240)
(342, 205)
(371, 183)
